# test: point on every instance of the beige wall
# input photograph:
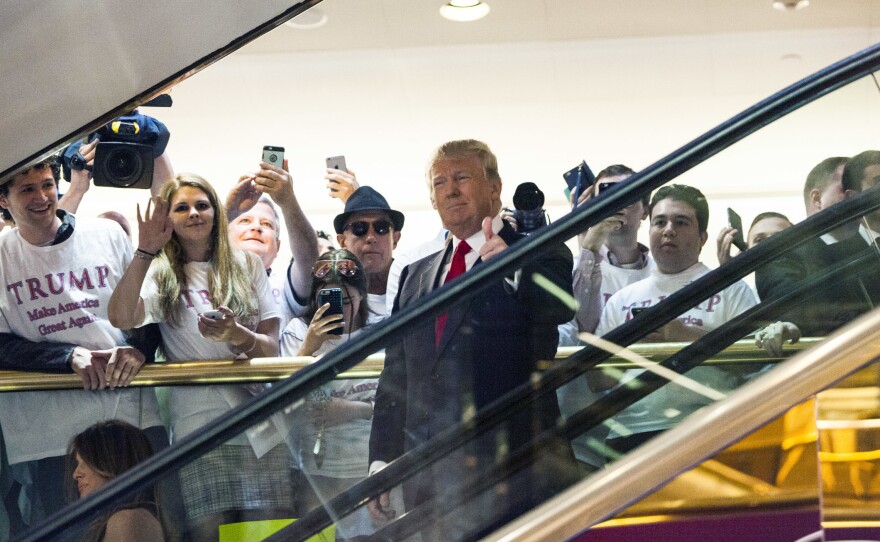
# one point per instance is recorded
(542, 107)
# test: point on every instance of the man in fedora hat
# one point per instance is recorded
(370, 229)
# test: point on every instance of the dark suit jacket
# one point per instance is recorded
(832, 303)
(490, 345)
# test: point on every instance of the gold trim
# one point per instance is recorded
(272, 369)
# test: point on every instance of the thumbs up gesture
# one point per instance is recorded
(494, 244)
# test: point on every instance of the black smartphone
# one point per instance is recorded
(274, 156)
(736, 223)
(337, 162)
(636, 310)
(333, 296)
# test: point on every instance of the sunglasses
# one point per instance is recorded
(346, 268)
(360, 228)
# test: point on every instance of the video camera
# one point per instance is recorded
(529, 213)
(125, 152)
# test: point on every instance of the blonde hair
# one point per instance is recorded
(466, 147)
(229, 276)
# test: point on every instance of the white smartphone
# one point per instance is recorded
(337, 162)
(273, 156)
(213, 315)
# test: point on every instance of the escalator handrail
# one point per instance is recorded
(349, 354)
(746, 409)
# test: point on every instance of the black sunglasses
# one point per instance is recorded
(361, 227)
(346, 268)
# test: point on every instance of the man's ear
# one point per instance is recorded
(850, 193)
(704, 236)
(433, 199)
(816, 199)
(4, 202)
(340, 238)
(396, 237)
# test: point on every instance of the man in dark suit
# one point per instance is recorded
(446, 369)
(835, 303)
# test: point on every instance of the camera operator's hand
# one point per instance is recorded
(276, 182)
(508, 216)
(80, 179)
(242, 197)
(154, 228)
(341, 184)
(725, 241)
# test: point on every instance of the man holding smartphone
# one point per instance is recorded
(255, 226)
(611, 256)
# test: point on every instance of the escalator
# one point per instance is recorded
(723, 402)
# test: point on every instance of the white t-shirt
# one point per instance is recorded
(193, 407)
(277, 283)
(346, 446)
(668, 405)
(403, 259)
(60, 293)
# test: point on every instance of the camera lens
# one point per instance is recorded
(273, 158)
(123, 166)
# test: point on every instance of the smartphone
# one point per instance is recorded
(213, 315)
(333, 296)
(578, 178)
(274, 156)
(636, 310)
(736, 222)
(337, 162)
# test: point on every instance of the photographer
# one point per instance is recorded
(611, 256)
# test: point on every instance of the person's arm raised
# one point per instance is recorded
(126, 307)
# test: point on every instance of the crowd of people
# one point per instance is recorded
(202, 283)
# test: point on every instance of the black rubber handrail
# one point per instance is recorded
(478, 279)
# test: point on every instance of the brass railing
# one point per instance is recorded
(273, 369)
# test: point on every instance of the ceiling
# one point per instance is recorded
(391, 24)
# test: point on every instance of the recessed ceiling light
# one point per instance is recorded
(464, 10)
(311, 18)
(790, 5)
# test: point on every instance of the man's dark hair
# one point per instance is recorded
(821, 175)
(50, 162)
(854, 169)
(616, 170)
(768, 214)
(686, 194)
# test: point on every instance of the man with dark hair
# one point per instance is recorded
(823, 187)
(765, 225)
(59, 271)
(447, 368)
(862, 172)
(611, 256)
(679, 218)
(832, 304)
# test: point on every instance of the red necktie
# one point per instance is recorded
(457, 268)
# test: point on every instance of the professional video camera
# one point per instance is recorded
(529, 203)
(125, 152)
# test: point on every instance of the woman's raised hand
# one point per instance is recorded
(154, 228)
(319, 330)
